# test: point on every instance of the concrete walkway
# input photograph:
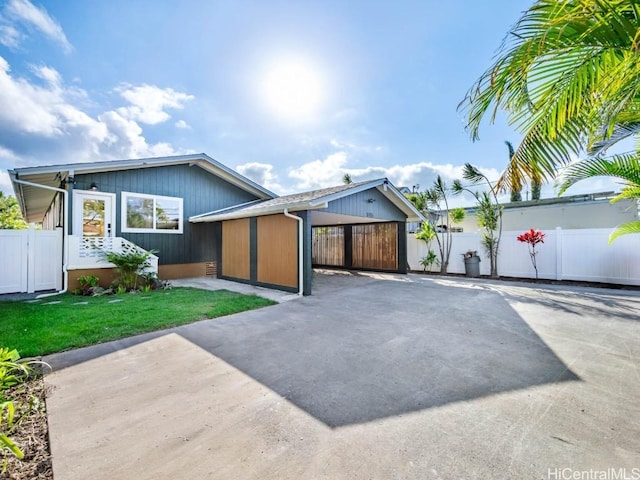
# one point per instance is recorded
(374, 376)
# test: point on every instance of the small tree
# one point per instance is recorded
(427, 234)
(441, 217)
(489, 213)
(532, 238)
(10, 215)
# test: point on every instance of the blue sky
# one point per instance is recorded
(292, 94)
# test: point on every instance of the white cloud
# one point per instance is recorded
(262, 174)
(48, 74)
(183, 125)
(26, 107)
(321, 173)
(329, 172)
(148, 102)
(10, 36)
(5, 183)
(24, 13)
(45, 121)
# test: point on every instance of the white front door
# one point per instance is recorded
(94, 214)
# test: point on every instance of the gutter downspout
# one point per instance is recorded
(65, 235)
(300, 250)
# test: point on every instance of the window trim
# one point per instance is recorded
(123, 213)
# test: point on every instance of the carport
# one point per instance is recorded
(276, 243)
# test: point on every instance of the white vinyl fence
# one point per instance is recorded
(31, 260)
(565, 255)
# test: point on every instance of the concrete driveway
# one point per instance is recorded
(373, 377)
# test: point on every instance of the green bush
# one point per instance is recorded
(13, 371)
(88, 283)
(129, 267)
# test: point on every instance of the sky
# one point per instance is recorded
(291, 94)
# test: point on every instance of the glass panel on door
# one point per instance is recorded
(93, 217)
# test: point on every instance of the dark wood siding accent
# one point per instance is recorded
(201, 191)
(375, 246)
(235, 249)
(328, 246)
(360, 205)
(277, 247)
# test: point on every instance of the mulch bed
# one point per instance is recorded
(32, 434)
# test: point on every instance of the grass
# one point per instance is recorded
(41, 328)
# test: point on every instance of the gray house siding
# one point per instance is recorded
(360, 205)
(201, 192)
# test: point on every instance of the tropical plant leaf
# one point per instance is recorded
(625, 229)
(6, 442)
(566, 75)
(625, 166)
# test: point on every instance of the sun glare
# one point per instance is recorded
(293, 89)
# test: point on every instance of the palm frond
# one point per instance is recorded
(567, 73)
(603, 139)
(625, 167)
(625, 229)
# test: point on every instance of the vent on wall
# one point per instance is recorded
(210, 269)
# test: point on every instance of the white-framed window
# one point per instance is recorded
(142, 213)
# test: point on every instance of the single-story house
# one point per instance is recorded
(203, 218)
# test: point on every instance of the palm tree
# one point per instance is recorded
(516, 186)
(567, 76)
(488, 214)
(624, 167)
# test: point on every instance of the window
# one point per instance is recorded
(143, 213)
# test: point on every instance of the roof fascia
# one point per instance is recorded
(272, 210)
(348, 191)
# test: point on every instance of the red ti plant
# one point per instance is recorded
(532, 238)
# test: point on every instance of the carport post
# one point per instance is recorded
(300, 249)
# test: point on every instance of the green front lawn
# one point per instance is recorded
(44, 327)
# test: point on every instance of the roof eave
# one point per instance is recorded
(201, 159)
(272, 210)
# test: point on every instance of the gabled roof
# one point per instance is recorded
(35, 202)
(314, 199)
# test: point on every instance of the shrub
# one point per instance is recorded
(532, 238)
(13, 371)
(129, 266)
(88, 283)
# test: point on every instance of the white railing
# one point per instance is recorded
(86, 252)
(583, 255)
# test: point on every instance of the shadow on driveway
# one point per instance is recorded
(362, 348)
(383, 348)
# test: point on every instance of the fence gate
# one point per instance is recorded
(31, 260)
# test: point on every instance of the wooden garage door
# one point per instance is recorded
(235, 249)
(375, 246)
(278, 250)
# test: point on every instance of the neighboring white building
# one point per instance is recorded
(593, 210)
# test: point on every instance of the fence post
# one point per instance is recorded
(559, 253)
(31, 259)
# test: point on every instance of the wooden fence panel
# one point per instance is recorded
(235, 249)
(375, 246)
(328, 246)
(278, 250)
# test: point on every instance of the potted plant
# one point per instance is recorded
(471, 263)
